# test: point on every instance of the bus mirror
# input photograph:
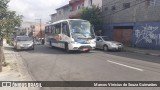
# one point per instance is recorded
(92, 27)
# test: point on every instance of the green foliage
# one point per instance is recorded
(94, 15)
(8, 19)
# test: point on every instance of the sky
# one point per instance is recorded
(33, 10)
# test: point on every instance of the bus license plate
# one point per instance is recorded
(85, 49)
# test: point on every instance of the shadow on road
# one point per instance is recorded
(41, 49)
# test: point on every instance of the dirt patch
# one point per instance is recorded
(6, 68)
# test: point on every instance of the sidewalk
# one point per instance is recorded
(143, 51)
(15, 70)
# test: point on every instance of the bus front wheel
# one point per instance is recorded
(66, 48)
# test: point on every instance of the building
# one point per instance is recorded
(72, 9)
(39, 30)
(62, 13)
(54, 17)
(24, 29)
(135, 23)
(75, 7)
(31, 29)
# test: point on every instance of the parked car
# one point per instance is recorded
(23, 42)
(103, 42)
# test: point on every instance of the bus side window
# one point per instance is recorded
(46, 29)
(65, 29)
(50, 29)
(53, 29)
(58, 28)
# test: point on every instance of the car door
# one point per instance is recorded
(98, 42)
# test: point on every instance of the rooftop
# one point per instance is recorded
(67, 5)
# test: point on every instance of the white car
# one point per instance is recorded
(103, 42)
(23, 42)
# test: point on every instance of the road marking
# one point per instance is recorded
(125, 65)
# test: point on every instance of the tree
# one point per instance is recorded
(94, 15)
(8, 21)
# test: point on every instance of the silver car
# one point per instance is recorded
(103, 42)
(23, 42)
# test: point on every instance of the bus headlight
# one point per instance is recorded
(93, 42)
(72, 42)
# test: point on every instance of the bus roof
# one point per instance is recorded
(64, 20)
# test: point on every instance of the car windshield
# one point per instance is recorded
(106, 38)
(81, 29)
(24, 38)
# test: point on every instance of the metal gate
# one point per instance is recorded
(123, 35)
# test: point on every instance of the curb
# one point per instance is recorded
(24, 71)
(140, 52)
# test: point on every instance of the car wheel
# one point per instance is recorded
(50, 44)
(32, 48)
(16, 48)
(105, 48)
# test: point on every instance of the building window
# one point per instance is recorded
(60, 12)
(113, 8)
(82, 5)
(126, 5)
(78, 7)
(70, 9)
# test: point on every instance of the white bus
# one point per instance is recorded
(70, 34)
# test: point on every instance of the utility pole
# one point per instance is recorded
(40, 27)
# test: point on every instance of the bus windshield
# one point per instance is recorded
(81, 29)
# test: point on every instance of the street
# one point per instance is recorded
(49, 64)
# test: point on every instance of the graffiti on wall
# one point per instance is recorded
(149, 34)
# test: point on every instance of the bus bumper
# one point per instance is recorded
(82, 47)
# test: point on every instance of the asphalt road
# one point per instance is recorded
(48, 64)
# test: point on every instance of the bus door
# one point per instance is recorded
(57, 35)
(65, 32)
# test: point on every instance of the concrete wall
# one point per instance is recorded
(144, 18)
(145, 34)
(139, 11)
